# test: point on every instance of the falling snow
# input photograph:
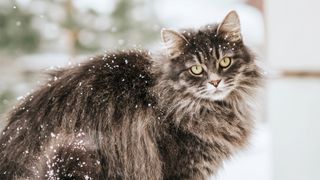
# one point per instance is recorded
(52, 135)
(120, 41)
(18, 23)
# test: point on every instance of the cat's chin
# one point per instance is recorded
(217, 95)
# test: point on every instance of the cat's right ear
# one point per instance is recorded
(174, 42)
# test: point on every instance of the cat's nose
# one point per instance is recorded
(215, 83)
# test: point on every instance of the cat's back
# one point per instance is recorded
(122, 74)
(122, 78)
(92, 96)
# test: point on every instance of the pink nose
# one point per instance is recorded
(215, 83)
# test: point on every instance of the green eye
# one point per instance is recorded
(225, 62)
(196, 69)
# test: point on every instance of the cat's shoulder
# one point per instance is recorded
(123, 72)
(131, 61)
(125, 75)
(122, 66)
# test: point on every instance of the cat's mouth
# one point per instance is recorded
(214, 90)
(217, 93)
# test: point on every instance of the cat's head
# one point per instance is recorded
(210, 63)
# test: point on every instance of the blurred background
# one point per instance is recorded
(37, 36)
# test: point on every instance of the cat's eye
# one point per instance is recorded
(225, 62)
(196, 69)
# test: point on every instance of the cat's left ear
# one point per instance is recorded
(231, 26)
(174, 42)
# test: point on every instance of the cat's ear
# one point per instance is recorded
(231, 26)
(174, 42)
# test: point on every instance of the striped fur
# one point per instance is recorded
(132, 115)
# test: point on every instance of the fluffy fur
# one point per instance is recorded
(132, 115)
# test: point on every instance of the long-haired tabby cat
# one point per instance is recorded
(133, 115)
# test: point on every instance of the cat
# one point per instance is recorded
(136, 115)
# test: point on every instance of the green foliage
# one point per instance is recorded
(16, 31)
(18, 35)
(128, 27)
(6, 98)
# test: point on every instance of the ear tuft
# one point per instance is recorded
(174, 42)
(231, 25)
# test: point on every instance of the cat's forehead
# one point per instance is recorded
(207, 45)
(201, 38)
(205, 39)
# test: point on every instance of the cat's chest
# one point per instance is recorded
(217, 115)
(182, 149)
